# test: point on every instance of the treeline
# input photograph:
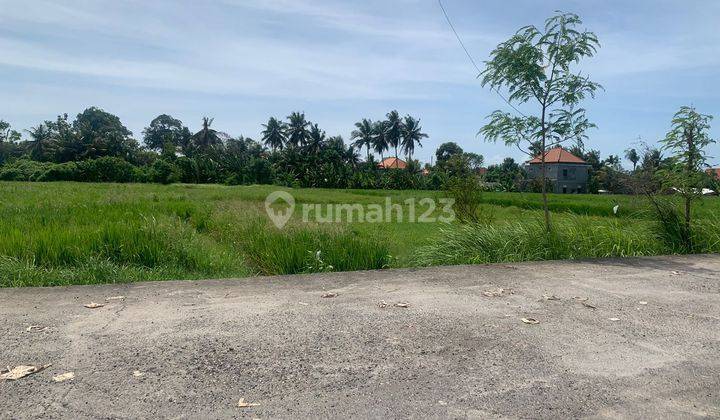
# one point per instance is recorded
(97, 147)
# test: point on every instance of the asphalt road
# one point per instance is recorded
(621, 338)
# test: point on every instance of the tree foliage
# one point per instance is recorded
(535, 67)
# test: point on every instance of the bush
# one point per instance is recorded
(164, 172)
(106, 169)
(23, 170)
(61, 172)
(466, 191)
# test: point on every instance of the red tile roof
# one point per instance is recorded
(714, 172)
(558, 155)
(393, 163)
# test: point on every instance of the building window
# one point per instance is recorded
(564, 173)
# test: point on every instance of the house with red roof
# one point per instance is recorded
(568, 173)
(392, 163)
(714, 173)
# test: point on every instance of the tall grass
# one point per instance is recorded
(572, 237)
(82, 233)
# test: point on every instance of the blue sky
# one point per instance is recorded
(241, 61)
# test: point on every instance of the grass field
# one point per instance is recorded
(80, 233)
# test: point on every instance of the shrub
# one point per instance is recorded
(467, 193)
(61, 172)
(23, 170)
(106, 169)
(164, 172)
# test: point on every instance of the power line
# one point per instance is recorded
(472, 60)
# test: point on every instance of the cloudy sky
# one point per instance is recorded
(241, 61)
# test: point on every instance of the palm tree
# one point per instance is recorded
(364, 135)
(632, 156)
(380, 143)
(393, 131)
(316, 140)
(411, 135)
(297, 129)
(207, 137)
(274, 133)
(40, 144)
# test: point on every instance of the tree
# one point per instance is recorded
(101, 133)
(412, 134)
(534, 65)
(316, 140)
(207, 139)
(446, 151)
(393, 130)
(364, 135)
(475, 160)
(380, 142)
(274, 134)
(41, 144)
(687, 139)
(8, 138)
(632, 156)
(297, 129)
(166, 133)
(508, 174)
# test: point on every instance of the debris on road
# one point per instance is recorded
(382, 304)
(329, 295)
(64, 377)
(243, 404)
(111, 298)
(550, 297)
(532, 321)
(303, 303)
(614, 319)
(675, 273)
(642, 302)
(138, 374)
(402, 305)
(35, 328)
(588, 305)
(497, 291)
(12, 374)
(93, 305)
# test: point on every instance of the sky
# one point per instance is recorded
(242, 61)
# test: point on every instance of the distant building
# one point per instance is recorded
(567, 172)
(714, 172)
(392, 163)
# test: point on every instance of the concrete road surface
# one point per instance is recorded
(615, 339)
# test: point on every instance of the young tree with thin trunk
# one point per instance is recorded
(535, 67)
(687, 140)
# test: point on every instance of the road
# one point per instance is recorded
(616, 338)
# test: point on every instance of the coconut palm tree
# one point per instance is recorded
(316, 140)
(632, 156)
(379, 142)
(297, 129)
(41, 142)
(411, 135)
(274, 133)
(393, 131)
(207, 137)
(364, 135)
